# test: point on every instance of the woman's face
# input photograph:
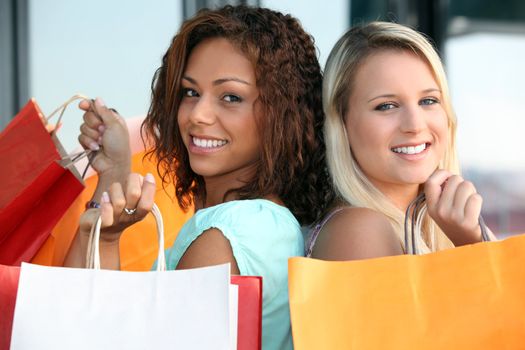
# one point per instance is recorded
(396, 125)
(217, 114)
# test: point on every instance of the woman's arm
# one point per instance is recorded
(210, 248)
(357, 233)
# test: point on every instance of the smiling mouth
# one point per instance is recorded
(411, 149)
(208, 143)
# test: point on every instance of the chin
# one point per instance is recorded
(416, 179)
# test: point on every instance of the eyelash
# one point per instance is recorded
(236, 98)
(423, 102)
(383, 106)
(433, 99)
(188, 92)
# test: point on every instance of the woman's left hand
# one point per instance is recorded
(455, 206)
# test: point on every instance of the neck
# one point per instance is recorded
(400, 195)
(218, 186)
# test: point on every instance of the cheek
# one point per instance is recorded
(182, 115)
(368, 138)
(441, 129)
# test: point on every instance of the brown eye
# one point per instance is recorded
(186, 92)
(232, 98)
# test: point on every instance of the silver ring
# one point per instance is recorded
(130, 211)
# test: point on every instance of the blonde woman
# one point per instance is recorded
(390, 135)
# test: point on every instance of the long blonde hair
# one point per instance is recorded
(350, 183)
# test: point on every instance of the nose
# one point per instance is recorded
(412, 120)
(202, 111)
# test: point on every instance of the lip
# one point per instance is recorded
(412, 144)
(193, 148)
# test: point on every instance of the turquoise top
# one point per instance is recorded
(263, 235)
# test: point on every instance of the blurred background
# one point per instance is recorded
(53, 49)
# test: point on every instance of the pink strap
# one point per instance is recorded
(315, 231)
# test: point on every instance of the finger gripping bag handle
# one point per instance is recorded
(93, 251)
(414, 218)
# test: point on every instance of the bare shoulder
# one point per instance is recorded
(210, 248)
(357, 233)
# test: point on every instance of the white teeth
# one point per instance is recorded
(410, 149)
(208, 143)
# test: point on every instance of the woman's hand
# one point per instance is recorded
(104, 127)
(455, 206)
(105, 131)
(121, 207)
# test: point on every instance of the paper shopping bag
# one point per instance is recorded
(471, 297)
(35, 187)
(249, 314)
(249, 321)
(8, 286)
(65, 308)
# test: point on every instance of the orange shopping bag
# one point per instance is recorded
(471, 297)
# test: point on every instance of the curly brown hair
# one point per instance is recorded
(288, 75)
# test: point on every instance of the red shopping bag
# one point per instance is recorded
(8, 286)
(35, 187)
(249, 321)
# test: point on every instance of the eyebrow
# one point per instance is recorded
(219, 81)
(392, 95)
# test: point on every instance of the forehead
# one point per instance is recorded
(393, 69)
(215, 57)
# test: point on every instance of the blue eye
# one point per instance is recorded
(428, 101)
(385, 106)
(187, 92)
(232, 98)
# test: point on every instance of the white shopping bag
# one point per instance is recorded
(68, 308)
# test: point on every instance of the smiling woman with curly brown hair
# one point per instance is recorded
(236, 123)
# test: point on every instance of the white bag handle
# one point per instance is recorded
(93, 251)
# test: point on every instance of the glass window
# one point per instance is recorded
(102, 48)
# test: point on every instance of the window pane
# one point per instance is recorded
(102, 48)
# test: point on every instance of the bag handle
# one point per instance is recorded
(414, 214)
(62, 108)
(71, 159)
(93, 251)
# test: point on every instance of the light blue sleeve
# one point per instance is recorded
(263, 235)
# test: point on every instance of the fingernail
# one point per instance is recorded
(99, 102)
(94, 146)
(105, 197)
(101, 128)
(149, 178)
(99, 140)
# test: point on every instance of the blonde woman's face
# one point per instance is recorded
(396, 125)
